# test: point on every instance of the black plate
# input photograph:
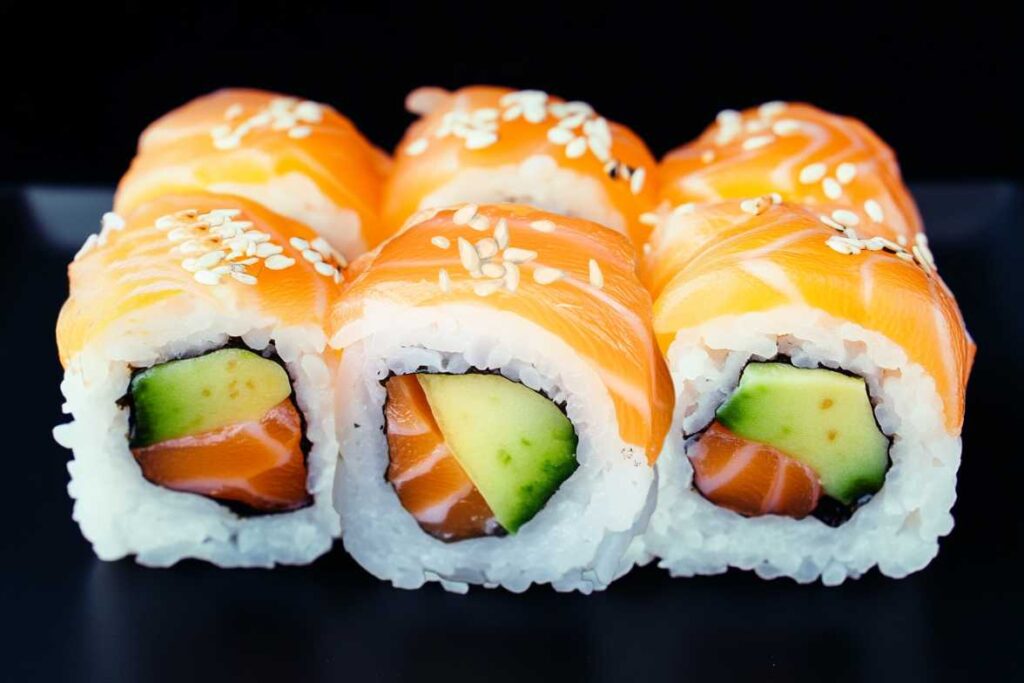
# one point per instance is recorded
(70, 616)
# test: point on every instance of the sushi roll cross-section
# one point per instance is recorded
(504, 402)
(820, 380)
(199, 382)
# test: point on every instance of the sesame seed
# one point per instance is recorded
(827, 220)
(921, 259)
(480, 139)
(845, 172)
(728, 117)
(874, 210)
(440, 242)
(833, 190)
(493, 270)
(636, 183)
(785, 127)
(775, 197)
(299, 243)
(299, 132)
(543, 226)
(851, 233)
(210, 259)
(279, 262)
(325, 269)
(416, 147)
(89, 245)
(905, 255)
(812, 173)
(845, 217)
(546, 276)
(560, 136)
(517, 255)
(234, 111)
(487, 287)
(244, 278)
(647, 248)
(842, 245)
(511, 277)
(443, 281)
(464, 215)
(684, 209)
(875, 244)
(770, 109)
(221, 131)
(624, 171)
(179, 234)
(596, 276)
(599, 149)
(707, 156)
(757, 142)
(267, 249)
(576, 148)
(309, 111)
(206, 277)
(312, 256)
(755, 206)
(501, 233)
(468, 256)
(649, 218)
(486, 248)
(479, 223)
(902, 239)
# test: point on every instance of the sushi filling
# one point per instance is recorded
(474, 455)
(792, 441)
(223, 425)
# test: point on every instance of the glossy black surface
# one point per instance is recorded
(69, 616)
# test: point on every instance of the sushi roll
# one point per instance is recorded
(819, 381)
(488, 144)
(299, 158)
(199, 382)
(801, 154)
(504, 402)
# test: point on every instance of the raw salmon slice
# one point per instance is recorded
(429, 481)
(258, 463)
(751, 478)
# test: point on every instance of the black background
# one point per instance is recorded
(943, 89)
(942, 85)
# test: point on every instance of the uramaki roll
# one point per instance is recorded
(299, 158)
(487, 144)
(504, 402)
(819, 384)
(801, 154)
(199, 381)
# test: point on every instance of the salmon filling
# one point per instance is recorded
(429, 481)
(474, 455)
(222, 425)
(794, 442)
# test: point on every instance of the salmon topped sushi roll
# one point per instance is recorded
(198, 378)
(505, 401)
(299, 158)
(487, 144)
(797, 153)
(820, 381)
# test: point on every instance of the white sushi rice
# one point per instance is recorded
(121, 513)
(576, 542)
(897, 529)
(538, 181)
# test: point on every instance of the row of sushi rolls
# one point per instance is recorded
(520, 350)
